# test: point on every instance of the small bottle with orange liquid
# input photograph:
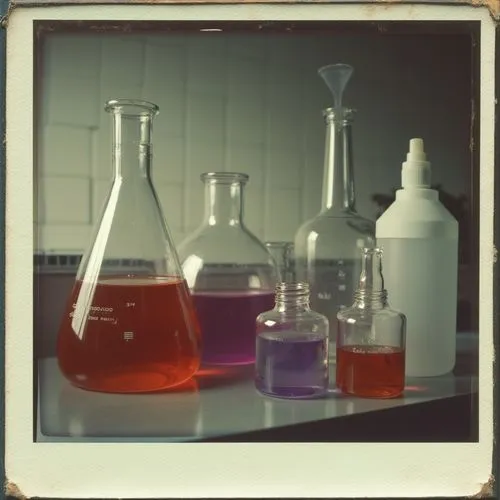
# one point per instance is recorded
(129, 324)
(371, 338)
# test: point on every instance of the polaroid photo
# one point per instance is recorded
(196, 303)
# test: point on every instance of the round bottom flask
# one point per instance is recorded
(292, 347)
(230, 273)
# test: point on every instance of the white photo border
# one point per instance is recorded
(158, 470)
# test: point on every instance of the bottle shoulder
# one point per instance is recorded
(298, 316)
(223, 243)
(328, 223)
(362, 314)
(417, 210)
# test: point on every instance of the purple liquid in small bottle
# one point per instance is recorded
(227, 321)
(291, 365)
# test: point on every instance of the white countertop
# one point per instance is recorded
(220, 405)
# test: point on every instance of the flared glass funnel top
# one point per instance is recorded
(130, 325)
(230, 273)
(336, 77)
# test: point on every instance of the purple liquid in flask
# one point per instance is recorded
(227, 321)
(292, 365)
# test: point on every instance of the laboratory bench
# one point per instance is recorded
(221, 404)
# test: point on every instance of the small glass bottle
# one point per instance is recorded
(292, 346)
(371, 337)
(229, 271)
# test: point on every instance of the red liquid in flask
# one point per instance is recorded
(140, 335)
(371, 371)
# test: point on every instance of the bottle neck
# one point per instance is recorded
(371, 292)
(223, 202)
(338, 179)
(132, 149)
(292, 297)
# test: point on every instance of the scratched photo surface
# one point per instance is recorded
(240, 97)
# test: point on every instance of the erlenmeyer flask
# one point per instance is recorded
(130, 325)
(327, 246)
(230, 273)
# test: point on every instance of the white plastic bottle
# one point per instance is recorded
(419, 238)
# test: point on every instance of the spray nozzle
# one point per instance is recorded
(336, 77)
(416, 152)
(416, 170)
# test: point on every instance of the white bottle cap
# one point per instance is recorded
(416, 170)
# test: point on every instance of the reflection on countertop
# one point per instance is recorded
(219, 401)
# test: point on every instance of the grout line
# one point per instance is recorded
(226, 165)
(267, 150)
(187, 123)
(303, 188)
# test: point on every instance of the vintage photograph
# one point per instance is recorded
(243, 227)
(244, 236)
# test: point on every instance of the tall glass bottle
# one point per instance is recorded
(130, 324)
(230, 273)
(327, 246)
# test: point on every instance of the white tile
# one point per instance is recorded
(283, 216)
(204, 157)
(286, 57)
(66, 200)
(254, 209)
(246, 70)
(164, 70)
(288, 96)
(63, 237)
(70, 80)
(207, 71)
(249, 160)
(206, 118)
(122, 68)
(72, 54)
(66, 150)
(172, 203)
(195, 205)
(313, 187)
(247, 118)
(72, 99)
(169, 160)
(285, 127)
(285, 168)
(102, 152)
(171, 121)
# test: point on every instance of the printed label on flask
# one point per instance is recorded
(97, 313)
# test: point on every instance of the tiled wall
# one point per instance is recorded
(247, 103)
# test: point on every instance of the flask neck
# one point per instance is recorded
(371, 292)
(132, 148)
(338, 179)
(224, 198)
(292, 297)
